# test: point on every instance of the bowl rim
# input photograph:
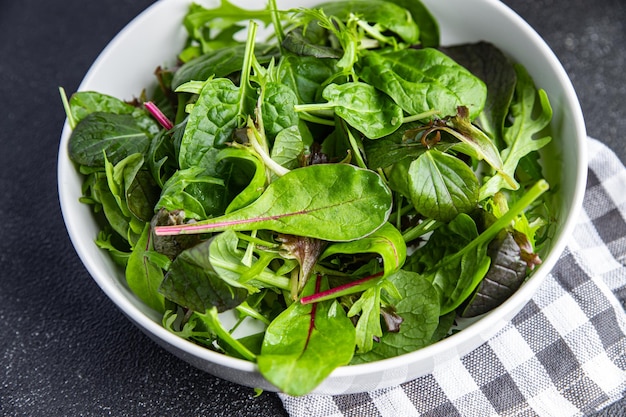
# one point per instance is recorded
(491, 320)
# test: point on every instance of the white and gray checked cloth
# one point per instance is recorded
(563, 354)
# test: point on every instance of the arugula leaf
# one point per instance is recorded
(367, 307)
(388, 16)
(532, 113)
(428, 25)
(419, 309)
(305, 343)
(204, 24)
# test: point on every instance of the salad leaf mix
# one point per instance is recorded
(348, 187)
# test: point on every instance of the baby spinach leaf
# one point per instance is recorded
(289, 145)
(83, 103)
(386, 241)
(363, 107)
(211, 124)
(192, 282)
(421, 80)
(441, 186)
(305, 75)
(305, 343)
(532, 113)
(388, 16)
(114, 135)
(278, 109)
(336, 202)
(143, 276)
(419, 309)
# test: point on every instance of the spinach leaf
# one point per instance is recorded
(532, 113)
(419, 309)
(211, 124)
(83, 103)
(305, 343)
(277, 109)
(362, 106)
(114, 135)
(336, 202)
(305, 75)
(289, 146)
(142, 275)
(193, 283)
(421, 80)
(442, 186)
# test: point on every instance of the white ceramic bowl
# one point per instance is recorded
(155, 36)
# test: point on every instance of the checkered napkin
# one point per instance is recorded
(564, 354)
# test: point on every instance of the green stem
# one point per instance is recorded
(314, 119)
(356, 151)
(278, 27)
(213, 322)
(66, 105)
(527, 199)
(417, 117)
(256, 142)
(420, 230)
(244, 85)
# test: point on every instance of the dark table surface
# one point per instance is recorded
(65, 349)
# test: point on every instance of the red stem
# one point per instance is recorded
(158, 114)
(318, 295)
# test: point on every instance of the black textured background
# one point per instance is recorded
(65, 350)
